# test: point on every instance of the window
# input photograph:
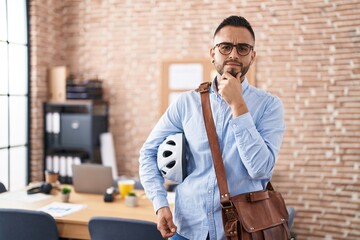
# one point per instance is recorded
(14, 99)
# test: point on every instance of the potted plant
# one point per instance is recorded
(65, 194)
(131, 199)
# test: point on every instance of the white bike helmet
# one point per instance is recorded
(171, 158)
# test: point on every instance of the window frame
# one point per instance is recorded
(27, 95)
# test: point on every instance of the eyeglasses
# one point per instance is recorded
(226, 48)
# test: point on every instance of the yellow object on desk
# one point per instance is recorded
(125, 187)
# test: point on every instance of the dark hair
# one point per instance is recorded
(236, 21)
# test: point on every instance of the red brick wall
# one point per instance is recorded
(308, 55)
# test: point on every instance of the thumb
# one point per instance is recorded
(238, 76)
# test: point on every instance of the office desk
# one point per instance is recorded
(75, 225)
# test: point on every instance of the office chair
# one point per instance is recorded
(291, 212)
(110, 228)
(20, 224)
(2, 188)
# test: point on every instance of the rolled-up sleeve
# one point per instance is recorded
(150, 175)
(259, 143)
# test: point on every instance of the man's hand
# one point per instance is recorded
(230, 89)
(165, 223)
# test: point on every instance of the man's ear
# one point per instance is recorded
(212, 53)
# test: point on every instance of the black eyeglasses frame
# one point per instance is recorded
(237, 46)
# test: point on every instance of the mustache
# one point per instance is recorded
(233, 62)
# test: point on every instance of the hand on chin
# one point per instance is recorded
(232, 70)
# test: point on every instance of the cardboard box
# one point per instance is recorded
(57, 83)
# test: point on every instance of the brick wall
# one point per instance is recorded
(45, 51)
(308, 55)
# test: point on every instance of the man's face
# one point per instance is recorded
(233, 62)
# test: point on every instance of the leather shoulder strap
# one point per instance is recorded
(214, 143)
(220, 173)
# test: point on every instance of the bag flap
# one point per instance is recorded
(261, 214)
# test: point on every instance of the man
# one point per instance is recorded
(249, 125)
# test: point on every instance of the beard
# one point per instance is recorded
(233, 71)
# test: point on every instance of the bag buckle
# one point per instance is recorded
(203, 88)
(226, 205)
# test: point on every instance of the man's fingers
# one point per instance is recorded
(165, 224)
(171, 226)
(222, 84)
(167, 229)
(229, 87)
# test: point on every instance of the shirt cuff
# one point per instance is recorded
(159, 202)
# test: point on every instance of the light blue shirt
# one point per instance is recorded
(249, 144)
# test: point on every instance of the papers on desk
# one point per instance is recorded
(22, 196)
(58, 209)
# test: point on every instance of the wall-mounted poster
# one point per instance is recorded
(185, 76)
(182, 75)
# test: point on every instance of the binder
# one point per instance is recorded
(69, 163)
(56, 127)
(62, 170)
(56, 163)
(49, 163)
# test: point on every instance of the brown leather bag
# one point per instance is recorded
(260, 215)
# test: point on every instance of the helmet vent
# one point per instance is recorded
(171, 164)
(171, 142)
(167, 154)
(163, 172)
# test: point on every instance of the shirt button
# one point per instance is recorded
(209, 213)
(209, 191)
(234, 125)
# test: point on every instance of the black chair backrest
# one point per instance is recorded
(20, 224)
(110, 228)
(291, 212)
(2, 188)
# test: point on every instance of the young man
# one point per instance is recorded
(249, 125)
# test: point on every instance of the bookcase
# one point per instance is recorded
(72, 132)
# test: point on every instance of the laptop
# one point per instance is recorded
(92, 178)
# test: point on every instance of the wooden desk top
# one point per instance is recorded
(75, 225)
